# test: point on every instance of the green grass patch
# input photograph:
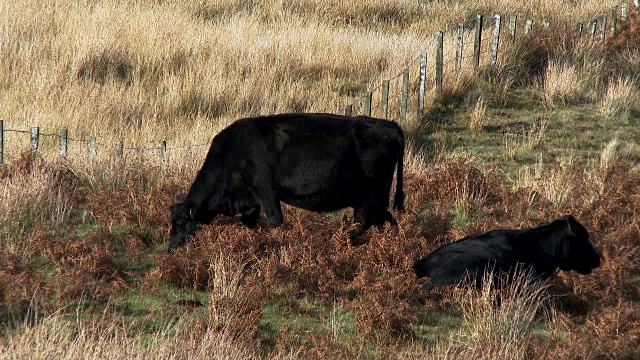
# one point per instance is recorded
(434, 325)
(303, 316)
(512, 136)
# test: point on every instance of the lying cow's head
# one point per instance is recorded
(569, 243)
(183, 225)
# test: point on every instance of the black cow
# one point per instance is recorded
(318, 162)
(563, 243)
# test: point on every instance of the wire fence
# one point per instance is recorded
(472, 45)
(487, 34)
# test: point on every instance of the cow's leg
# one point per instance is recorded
(374, 210)
(382, 214)
(365, 215)
(250, 219)
(265, 194)
(378, 165)
(362, 219)
(267, 199)
(274, 213)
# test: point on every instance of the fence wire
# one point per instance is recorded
(116, 145)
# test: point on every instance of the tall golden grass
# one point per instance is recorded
(496, 322)
(148, 70)
(71, 336)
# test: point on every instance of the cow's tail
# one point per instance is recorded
(398, 199)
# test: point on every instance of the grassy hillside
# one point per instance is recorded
(553, 129)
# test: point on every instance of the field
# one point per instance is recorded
(553, 129)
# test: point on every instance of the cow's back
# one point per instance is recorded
(494, 250)
(321, 162)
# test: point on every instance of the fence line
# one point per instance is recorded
(476, 25)
(64, 140)
(598, 26)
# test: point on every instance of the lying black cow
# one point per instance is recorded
(563, 243)
(318, 162)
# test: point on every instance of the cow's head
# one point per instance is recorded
(569, 243)
(183, 224)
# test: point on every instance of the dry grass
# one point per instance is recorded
(73, 337)
(77, 231)
(415, 160)
(562, 85)
(310, 258)
(534, 135)
(477, 118)
(31, 194)
(497, 323)
(182, 70)
(620, 97)
(531, 138)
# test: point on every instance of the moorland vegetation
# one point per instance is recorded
(84, 273)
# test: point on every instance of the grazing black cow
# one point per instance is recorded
(563, 243)
(318, 162)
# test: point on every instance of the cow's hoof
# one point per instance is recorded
(275, 221)
(358, 242)
(354, 231)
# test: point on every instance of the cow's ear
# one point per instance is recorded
(557, 241)
(577, 228)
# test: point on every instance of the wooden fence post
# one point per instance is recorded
(1, 142)
(513, 21)
(35, 138)
(385, 99)
(603, 25)
(614, 18)
(348, 110)
(623, 11)
(460, 46)
(405, 95)
(140, 158)
(592, 27)
(64, 137)
(439, 60)
(366, 106)
(477, 43)
(421, 87)
(91, 148)
(527, 26)
(119, 150)
(163, 151)
(496, 41)
(579, 31)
